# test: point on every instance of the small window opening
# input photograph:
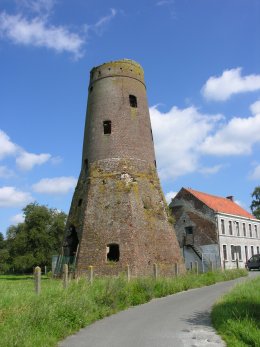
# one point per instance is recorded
(133, 101)
(107, 126)
(189, 230)
(155, 163)
(86, 165)
(152, 134)
(99, 73)
(90, 89)
(113, 253)
(80, 202)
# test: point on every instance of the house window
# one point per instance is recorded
(113, 253)
(256, 233)
(252, 250)
(224, 252)
(250, 230)
(189, 230)
(244, 229)
(238, 252)
(257, 249)
(133, 101)
(107, 127)
(222, 227)
(237, 229)
(233, 252)
(246, 253)
(230, 227)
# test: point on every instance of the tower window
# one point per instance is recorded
(155, 163)
(133, 101)
(80, 202)
(107, 126)
(86, 166)
(113, 253)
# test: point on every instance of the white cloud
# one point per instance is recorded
(26, 161)
(37, 32)
(229, 83)
(177, 136)
(234, 138)
(169, 196)
(57, 185)
(18, 218)
(164, 2)
(255, 108)
(12, 197)
(100, 25)
(37, 6)
(5, 172)
(7, 147)
(256, 173)
(210, 170)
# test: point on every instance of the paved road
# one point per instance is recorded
(178, 320)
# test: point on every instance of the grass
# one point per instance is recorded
(236, 316)
(28, 320)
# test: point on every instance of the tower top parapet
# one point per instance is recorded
(124, 67)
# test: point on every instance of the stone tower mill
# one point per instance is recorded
(118, 214)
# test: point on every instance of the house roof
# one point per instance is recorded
(219, 204)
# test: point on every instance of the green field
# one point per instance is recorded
(30, 320)
(236, 316)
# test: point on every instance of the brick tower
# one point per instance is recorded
(118, 213)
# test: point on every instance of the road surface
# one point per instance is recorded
(178, 320)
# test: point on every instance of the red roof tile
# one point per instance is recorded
(219, 204)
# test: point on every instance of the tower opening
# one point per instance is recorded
(107, 126)
(71, 242)
(86, 166)
(133, 101)
(113, 253)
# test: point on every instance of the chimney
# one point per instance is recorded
(230, 197)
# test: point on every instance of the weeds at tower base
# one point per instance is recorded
(42, 320)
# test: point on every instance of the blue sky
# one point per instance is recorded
(202, 69)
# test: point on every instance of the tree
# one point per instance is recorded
(255, 206)
(33, 242)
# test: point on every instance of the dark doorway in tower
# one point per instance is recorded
(71, 242)
(113, 253)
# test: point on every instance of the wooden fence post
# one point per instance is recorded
(128, 273)
(37, 279)
(211, 265)
(155, 271)
(91, 276)
(176, 269)
(65, 275)
(197, 267)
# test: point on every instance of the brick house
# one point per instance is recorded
(214, 230)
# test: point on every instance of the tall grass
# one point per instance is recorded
(28, 320)
(236, 316)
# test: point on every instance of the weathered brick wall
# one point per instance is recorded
(189, 211)
(131, 137)
(119, 199)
